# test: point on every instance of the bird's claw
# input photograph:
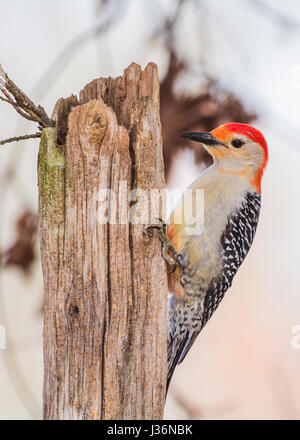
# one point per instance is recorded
(167, 245)
(173, 269)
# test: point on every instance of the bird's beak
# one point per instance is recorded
(203, 137)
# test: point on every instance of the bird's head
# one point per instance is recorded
(237, 149)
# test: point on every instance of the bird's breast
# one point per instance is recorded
(221, 196)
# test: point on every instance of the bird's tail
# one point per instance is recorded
(181, 337)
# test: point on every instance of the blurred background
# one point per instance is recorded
(218, 62)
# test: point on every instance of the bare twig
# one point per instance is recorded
(21, 103)
(20, 138)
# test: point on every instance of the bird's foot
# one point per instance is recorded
(167, 246)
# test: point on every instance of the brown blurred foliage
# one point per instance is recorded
(203, 112)
(21, 253)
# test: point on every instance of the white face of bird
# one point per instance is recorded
(242, 153)
(238, 154)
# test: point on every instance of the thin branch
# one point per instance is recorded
(16, 107)
(20, 138)
(5, 100)
(21, 103)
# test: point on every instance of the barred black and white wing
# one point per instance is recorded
(186, 323)
(236, 242)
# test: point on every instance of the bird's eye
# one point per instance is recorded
(237, 143)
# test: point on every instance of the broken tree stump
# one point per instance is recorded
(105, 281)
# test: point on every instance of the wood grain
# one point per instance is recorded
(105, 283)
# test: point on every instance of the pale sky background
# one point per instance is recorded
(243, 364)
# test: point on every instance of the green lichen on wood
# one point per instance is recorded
(51, 178)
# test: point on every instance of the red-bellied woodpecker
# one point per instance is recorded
(205, 264)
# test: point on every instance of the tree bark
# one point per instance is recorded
(105, 282)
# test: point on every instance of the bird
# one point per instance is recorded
(203, 264)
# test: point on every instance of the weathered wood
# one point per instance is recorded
(105, 284)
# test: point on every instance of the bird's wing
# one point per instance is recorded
(187, 346)
(235, 241)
